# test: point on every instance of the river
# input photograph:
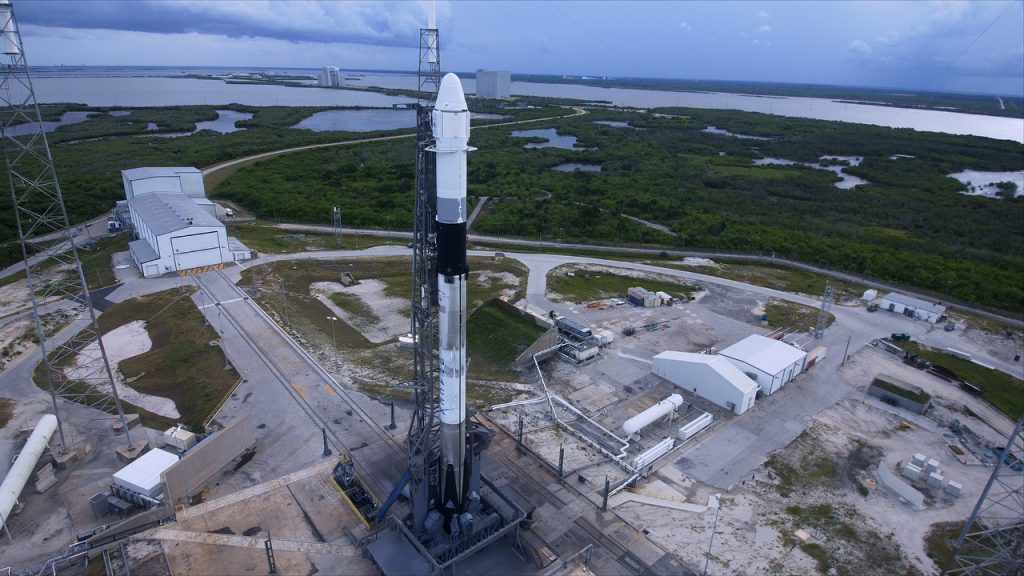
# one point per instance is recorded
(133, 87)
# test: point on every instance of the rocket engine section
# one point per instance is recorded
(450, 125)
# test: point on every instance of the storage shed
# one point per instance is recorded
(709, 376)
(912, 307)
(142, 477)
(769, 363)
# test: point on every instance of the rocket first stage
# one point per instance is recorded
(450, 125)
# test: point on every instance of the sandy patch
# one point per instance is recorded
(694, 261)
(121, 343)
(14, 297)
(392, 314)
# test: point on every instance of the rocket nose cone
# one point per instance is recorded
(450, 97)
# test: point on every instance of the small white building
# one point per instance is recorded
(494, 84)
(769, 363)
(709, 376)
(912, 307)
(142, 477)
(175, 234)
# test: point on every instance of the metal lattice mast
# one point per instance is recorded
(992, 541)
(336, 226)
(422, 437)
(76, 369)
(826, 306)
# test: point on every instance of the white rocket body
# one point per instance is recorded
(450, 126)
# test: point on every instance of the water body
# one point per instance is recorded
(575, 167)
(613, 123)
(65, 119)
(713, 130)
(554, 139)
(984, 183)
(225, 123)
(368, 120)
(139, 90)
(847, 181)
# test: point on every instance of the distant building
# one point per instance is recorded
(769, 363)
(494, 84)
(330, 77)
(709, 376)
(913, 307)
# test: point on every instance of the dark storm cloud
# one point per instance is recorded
(377, 23)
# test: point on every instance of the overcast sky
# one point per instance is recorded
(960, 46)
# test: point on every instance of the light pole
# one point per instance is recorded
(718, 508)
(334, 337)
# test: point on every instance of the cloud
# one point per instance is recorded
(860, 48)
(685, 27)
(764, 28)
(392, 23)
(764, 14)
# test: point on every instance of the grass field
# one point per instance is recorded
(1003, 391)
(6, 411)
(96, 261)
(268, 239)
(496, 336)
(782, 314)
(354, 305)
(182, 365)
(591, 285)
(775, 275)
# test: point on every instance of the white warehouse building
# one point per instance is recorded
(913, 307)
(709, 376)
(175, 234)
(769, 363)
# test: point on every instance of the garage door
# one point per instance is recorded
(195, 250)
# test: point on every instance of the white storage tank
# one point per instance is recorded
(641, 420)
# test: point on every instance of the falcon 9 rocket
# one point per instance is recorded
(450, 126)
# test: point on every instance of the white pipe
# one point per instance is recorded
(23, 466)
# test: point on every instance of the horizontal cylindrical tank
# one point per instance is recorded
(691, 429)
(650, 456)
(641, 420)
(26, 462)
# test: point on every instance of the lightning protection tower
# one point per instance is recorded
(423, 435)
(992, 540)
(336, 225)
(76, 368)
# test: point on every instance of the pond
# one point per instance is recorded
(65, 119)
(714, 130)
(984, 183)
(576, 167)
(225, 123)
(554, 139)
(847, 181)
(613, 123)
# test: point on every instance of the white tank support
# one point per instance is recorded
(25, 464)
(641, 420)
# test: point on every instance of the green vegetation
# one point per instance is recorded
(910, 225)
(96, 261)
(181, 366)
(355, 306)
(268, 239)
(585, 284)
(804, 465)
(777, 275)
(1003, 391)
(6, 411)
(919, 396)
(938, 544)
(783, 314)
(496, 337)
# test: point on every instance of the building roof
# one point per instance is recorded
(157, 172)
(767, 355)
(719, 364)
(145, 471)
(142, 251)
(917, 303)
(170, 212)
